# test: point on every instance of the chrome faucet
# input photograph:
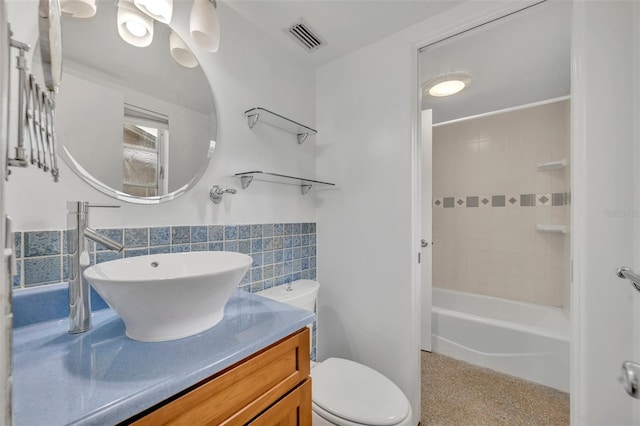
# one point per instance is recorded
(78, 261)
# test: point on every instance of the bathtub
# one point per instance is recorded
(521, 339)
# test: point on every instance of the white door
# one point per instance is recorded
(426, 241)
(605, 216)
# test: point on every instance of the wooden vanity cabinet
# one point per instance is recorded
(271, 387)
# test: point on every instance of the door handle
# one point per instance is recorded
(424, 243)
(630, 378)
(627, 273)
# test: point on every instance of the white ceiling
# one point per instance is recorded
(517, 60)
(346, 25)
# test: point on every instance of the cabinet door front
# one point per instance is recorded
(242, 392)
(292, 410)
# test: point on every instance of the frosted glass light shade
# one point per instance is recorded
(180, 52)
(447, 84)
(160, 10)
(134, 27)
(447, 88)
(78, 8)
(205, 25)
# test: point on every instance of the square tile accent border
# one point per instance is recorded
(508, 200)
(281, 252)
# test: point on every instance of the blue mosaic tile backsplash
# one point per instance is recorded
(281, 252)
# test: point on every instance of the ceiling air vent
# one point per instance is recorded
(306, 36)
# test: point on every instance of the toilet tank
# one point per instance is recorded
(303, 294)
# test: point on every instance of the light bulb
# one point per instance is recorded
(447, 88)
(78, 8)
(204, 25)
(447, 84)
(160, 10)
(135, 28)
(156, 8)
(180, 52)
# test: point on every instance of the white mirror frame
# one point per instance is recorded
(88, 178)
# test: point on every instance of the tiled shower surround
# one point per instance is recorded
(281, 252)
(488, 197)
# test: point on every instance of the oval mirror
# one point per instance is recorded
(131, 121)
(50, 42)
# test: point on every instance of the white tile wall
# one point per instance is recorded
(497, 251)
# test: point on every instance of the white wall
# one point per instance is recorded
(90, 114)
(249, 70)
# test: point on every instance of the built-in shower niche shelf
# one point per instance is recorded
(553, 229)
(553, 165)
(276, 120)
(305, 184)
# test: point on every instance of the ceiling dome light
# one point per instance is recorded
(78, 8)
(160, 10)
(204, 25)
(180, 52)
(447, 84)
(134, 27)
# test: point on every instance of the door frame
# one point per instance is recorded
(484, 17)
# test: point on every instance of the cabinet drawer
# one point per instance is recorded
(292, 410)
(243, 391)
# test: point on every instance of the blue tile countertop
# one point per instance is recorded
(102, 377)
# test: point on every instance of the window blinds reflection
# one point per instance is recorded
(145, 139)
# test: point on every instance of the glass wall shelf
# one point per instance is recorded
(271, 118)
(305, 184)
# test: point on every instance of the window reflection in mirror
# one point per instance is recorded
(145, 141)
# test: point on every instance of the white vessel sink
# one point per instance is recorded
(169, 296)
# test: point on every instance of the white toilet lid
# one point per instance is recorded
(357, 393)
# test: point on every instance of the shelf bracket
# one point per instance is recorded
(305, 187)
(245, 181)
(302, 137)
(252, 120)
(270, 118)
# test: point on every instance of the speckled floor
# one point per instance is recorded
(457, 393)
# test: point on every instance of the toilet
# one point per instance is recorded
(344, 392)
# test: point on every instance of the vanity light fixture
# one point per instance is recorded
(447, 84)
(160, 10)
(134, 27)
(180, 52)
(136, 21)
(78, 8)
(204, 25)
